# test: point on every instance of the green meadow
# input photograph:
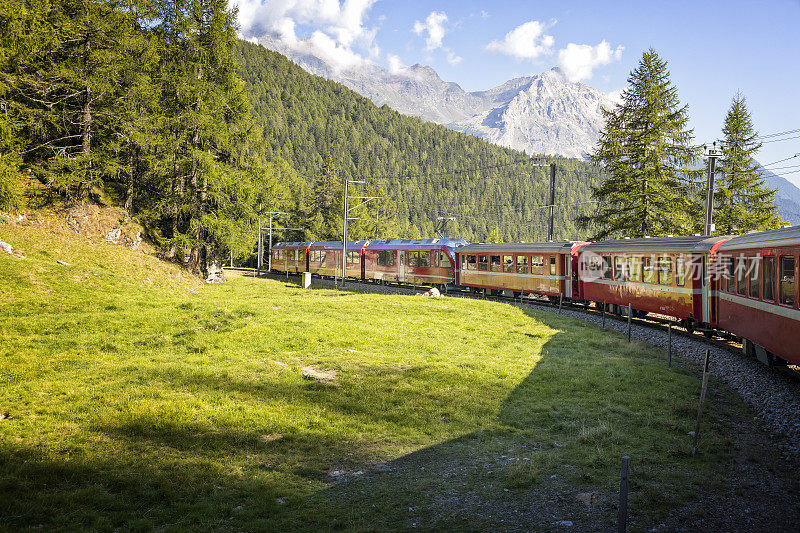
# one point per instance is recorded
(134, 398)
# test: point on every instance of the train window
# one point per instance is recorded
(741, 273)
(353, 257)
(537, 261)
(619, 268)
(607, 267)
(680, 271)
(665, 270)
(483, 262)
(471, 262)
(552, 266)
(323, 256)
(768, 268)
(649, 270)
(787, 280)
(508, 263)
(424, 258)
(413, 258)
(726, 264)
(752, 270)
(444, 261)
(497, 265)
(522, 264)
(595, 266)
(385, 257)
(635, 268)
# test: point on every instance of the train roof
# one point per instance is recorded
(559, 247)
(696, 243)
(415, 243)
(292, 245)
(337, 245)
(765, 239)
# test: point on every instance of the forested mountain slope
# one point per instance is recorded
(425, 169)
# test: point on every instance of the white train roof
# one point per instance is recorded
(696, 243)
(559, 247)
(765, 239)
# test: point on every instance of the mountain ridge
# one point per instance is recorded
(539, 114)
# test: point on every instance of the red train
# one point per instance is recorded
(744, 286)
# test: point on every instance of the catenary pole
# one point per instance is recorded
(552, 200)
(344, 232)
(712, 154)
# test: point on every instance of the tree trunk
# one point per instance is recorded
(132, 178)
(86, 122)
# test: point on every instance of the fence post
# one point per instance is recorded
(669, 344)
(702, 400)
(630, 311)
(604, 314)
(560, 302)
(622, 512)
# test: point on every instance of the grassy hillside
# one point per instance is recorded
(134, 398)
(426, 169)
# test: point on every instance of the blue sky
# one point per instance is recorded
(713, 48)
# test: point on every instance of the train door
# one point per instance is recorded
(705, 291)
(337, 264)
(567, 288)
(401, 266)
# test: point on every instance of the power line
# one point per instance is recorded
(781, 160)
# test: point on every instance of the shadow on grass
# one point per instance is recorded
(557, 435)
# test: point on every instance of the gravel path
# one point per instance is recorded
(773, 395)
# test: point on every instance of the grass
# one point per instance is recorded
(138, 400)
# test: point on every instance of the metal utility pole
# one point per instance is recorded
(552, 201)
(345, 217)
(259, 250)
(712, 154)
(272, 214)
(443, 221)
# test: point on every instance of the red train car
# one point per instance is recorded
(545, 268)
(671, 276)
(418, 261)
(325, 258)
(758, 297)
(290, 256)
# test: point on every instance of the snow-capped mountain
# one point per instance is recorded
(542, 114)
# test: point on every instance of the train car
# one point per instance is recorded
(670, 276)
(543, 268)
(417, 261)
(325, 258)
(290, 257)
(758, 297)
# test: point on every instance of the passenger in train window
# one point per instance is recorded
(787, 280)
(552, 266)
(483, 262)
(471, 262)
(522, 264)
(497, 265)
(607, 267)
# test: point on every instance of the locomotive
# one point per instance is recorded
(744, 286)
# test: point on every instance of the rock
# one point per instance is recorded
(114, 235)
(60, 262)
(280, 501)
(7, 248)
(566, 523)
(137, 241)
(434, 293)
(216, 274)
(323, 376)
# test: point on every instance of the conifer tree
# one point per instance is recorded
(742, 201)
(646, 150)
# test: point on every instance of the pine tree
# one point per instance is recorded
(646, 149)
(742, 201)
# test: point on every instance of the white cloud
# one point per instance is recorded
(484, 14)
(452, 58)
(434, 26)
(616, 95)
(395, 64)
(579, 60)
(527, 41)
(337, 26)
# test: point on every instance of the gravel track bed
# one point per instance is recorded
(775, 397)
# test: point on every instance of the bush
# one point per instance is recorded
(12, 195)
